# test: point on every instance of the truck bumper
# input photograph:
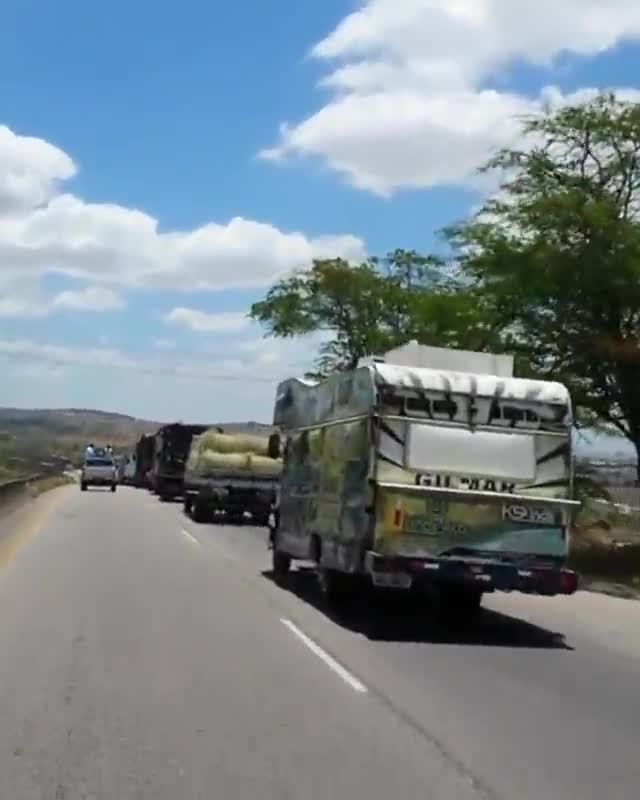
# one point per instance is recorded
(488, 576)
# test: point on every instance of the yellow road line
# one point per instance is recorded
(27, 528)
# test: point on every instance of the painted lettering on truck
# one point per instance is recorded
(461, 482)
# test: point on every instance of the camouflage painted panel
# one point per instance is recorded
(301, 404)
(423, 525)
(326, 471)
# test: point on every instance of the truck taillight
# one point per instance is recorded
(568, 582)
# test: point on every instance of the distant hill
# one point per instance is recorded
(29, 435)
(73, 423)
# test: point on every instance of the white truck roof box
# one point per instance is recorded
(413, 354)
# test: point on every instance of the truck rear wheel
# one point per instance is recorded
(281, 564)
(200, 512)
(187, 504)
(83, 487)
(460, 604)
(113, 487)
(335, 587)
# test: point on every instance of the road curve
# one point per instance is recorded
(145, 656)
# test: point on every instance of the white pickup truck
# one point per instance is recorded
(99, 471)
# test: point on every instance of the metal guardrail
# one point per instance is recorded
(15, 483)
(6, 487)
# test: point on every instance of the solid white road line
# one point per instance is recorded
(346, 676)
(190, 537)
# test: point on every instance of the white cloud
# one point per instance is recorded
(93, 298)
(407, 139)
(24, 298)
(268, 353)
(246, 361)
(412, 105)
(45, 230)
(203, 322)
(30, 170)
(231, 386)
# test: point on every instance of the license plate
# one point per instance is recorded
(392, 580)
(529, 515)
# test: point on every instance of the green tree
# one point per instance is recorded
(370, 307)
(556, 256)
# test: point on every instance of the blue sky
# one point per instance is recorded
(161, 164)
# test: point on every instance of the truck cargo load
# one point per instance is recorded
(231, 475)
(417, 477)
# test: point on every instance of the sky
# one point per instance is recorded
(162, 164)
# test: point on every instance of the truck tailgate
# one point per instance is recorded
(429, 521)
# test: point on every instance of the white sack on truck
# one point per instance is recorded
(214, 451)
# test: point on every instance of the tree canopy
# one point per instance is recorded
(370, 307)
(548, 269)
(556, 255)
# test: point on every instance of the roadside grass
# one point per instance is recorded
(6, 474)
(43, 485)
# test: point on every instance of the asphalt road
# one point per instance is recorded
(145, 656)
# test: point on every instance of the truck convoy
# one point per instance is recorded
(427, 469)
(170, 451)
(230, 475)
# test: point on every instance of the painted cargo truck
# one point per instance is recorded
(171, 449)
(143, 461)
(427, 478)
(231, 475)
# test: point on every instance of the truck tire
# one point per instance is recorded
(187, 504)
(83, 487)
(201, 512)
(335, 587)
(280, 565)
(113, 487)
(460, 604)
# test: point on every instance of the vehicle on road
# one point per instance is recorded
(170, 452)
(121, 463)
(143, 461)
(427, 470)
(99, 470)
(129, 470)
(231, 476)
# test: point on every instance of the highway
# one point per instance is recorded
(145, 656)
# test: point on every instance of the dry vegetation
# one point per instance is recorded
(30, 437)
(605, 545)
